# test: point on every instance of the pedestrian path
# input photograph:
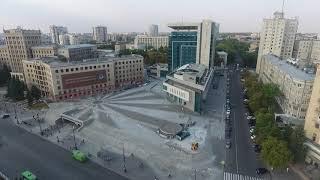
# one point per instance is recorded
(232, 176)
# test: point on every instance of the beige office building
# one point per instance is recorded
(277, 37)
(19, 42)
(295, 84)
(69, 80)
(44, 51)
(4, 56)
(307, 51)
(312, 122)
(145, 42)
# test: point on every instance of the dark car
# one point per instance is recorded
(261, 171)
(5, 116)
(228, 135)
(257, 148)
(252, 122)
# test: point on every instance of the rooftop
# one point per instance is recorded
(43, 47)
(78, 46)
(289, 69)
(55, 62)
(191, 73)
(184, 26)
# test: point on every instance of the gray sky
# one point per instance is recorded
(136, 15)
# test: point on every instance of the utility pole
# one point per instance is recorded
(124, 160)
(195, 174)
(74, 139)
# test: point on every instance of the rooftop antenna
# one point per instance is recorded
(283, 1)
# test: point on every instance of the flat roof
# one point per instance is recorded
(184, 26)
(289, 69)
(78, 46)
(55, 62)
(43, 47)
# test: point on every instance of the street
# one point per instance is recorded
(242, 154)
(21, 150)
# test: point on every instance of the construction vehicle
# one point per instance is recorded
(194, 146)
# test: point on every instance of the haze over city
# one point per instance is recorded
(136, 15)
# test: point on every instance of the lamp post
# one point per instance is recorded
(74, 139)
(124, 160)
(37, 119)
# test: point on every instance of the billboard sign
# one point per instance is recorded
(83, 79)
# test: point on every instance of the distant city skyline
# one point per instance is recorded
(136, 16)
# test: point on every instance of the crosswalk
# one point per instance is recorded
(232, 176)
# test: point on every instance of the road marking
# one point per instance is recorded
(235, 140)
(233, 176)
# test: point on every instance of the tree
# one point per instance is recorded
(16, 89)
(4, 75)
(35, 92)
(276, 153)
(296, 140)
(29, 98)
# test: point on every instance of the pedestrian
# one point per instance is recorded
(287, 170)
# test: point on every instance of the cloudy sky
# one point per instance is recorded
(136, 15)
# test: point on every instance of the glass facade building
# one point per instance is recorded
(182, 49)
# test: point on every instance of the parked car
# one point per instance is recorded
(253, 137)
(257, 148)
(261, 171)
(228, 144)
(5, 116)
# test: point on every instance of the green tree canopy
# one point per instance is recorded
(35, 92)
(275, 153)
(4, 75)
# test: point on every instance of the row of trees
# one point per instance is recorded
(235, 47)
(16, 91)
(4, 75)
(280, 146)
(151, 55)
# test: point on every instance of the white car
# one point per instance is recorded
(228, 112)
(249, 117)
(251, 130)
(253, 137)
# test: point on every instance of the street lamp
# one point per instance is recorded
(124, 160)
(38, 120)
(74, 139)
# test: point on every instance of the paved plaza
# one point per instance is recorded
(126, 122)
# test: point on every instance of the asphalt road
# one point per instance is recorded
(241, 158)
(21, 150)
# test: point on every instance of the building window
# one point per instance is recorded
(316, 125)
(314, 137)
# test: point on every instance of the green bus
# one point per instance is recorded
(27, 175)
(79, 156)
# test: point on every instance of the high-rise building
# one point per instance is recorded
(277, 37)
(192, 43)
(100, 34)
(64, 39)
(307, 51)
(153, 30)
(55, 31)
(74, 39)
(19, 42)
(312, 123)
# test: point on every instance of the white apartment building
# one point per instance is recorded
(277, 37)
(294, 83)
(55, 31)
(4, 56)
(144, 42)
(100, 34)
